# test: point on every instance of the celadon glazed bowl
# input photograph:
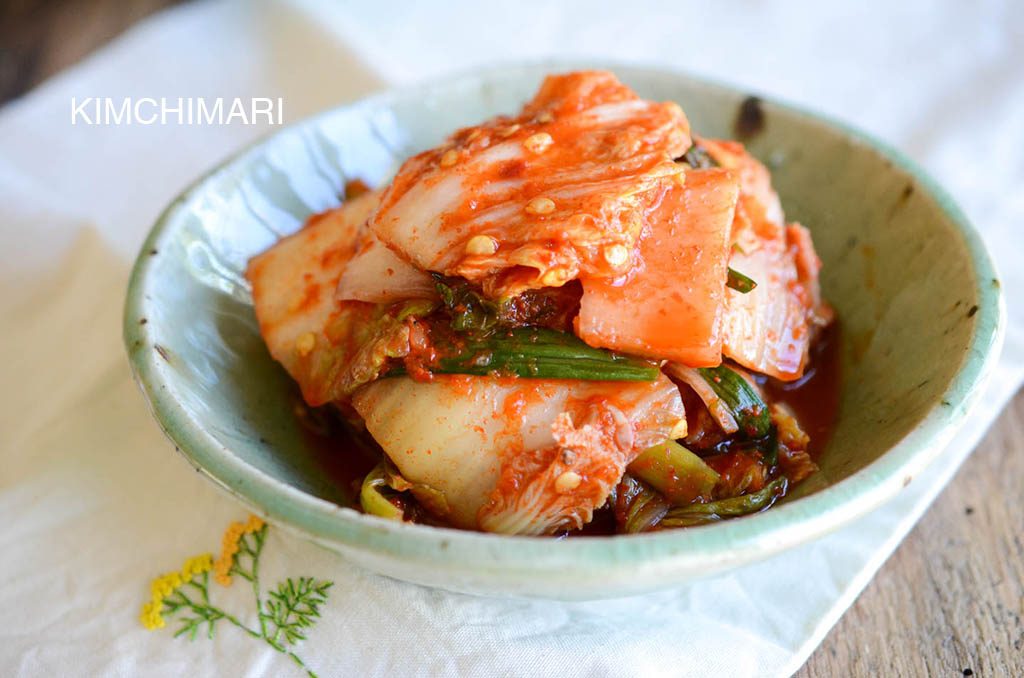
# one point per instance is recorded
(916, 293)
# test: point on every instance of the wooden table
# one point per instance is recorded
(950, 602)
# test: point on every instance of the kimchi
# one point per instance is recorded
(576, 318)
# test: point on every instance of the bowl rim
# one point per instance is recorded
(707, 548)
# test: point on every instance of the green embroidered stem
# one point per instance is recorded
(204, 589)
(295, 658)
(256, 581)
(284, 616)
(204, 613)
(212, 613)
(253, 575)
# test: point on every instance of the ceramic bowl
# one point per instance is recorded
(916, 293)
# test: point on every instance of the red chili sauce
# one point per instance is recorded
(345, 455)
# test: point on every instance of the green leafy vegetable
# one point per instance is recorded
(469, 309)
(489, 339)
(433, 500)
(638, 507)
(739, 282)
(545, 354)
(700, 514)
(741, 398)
(539, 353)
(377, 496)
(770, 447)
(366, 339)
(679, 474)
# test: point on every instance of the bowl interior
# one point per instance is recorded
(913, 292)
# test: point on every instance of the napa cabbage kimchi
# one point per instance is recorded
(579, 317)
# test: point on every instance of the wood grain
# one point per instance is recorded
(38, 38)
(950, 601)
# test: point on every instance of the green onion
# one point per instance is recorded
(741, 398)
(770, 448)
(483, 347)
(537, 368)
(679, 474)
(547, 354)
(415, 308)
(376, 495)
(469, 309)
(700, 514)
(540, 353)
(739, 282)
(638, 507)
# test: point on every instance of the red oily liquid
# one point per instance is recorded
(814, 398)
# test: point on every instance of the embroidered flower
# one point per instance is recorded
(197, 565)
(285, 614)
(165, 585)
(229, 548)
(150, 616)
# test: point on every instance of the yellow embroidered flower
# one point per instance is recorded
(196, 566)
(229, 548)
(184, 596)
(150, 616)
(165, 585)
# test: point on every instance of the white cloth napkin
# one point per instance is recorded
(94, 500)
